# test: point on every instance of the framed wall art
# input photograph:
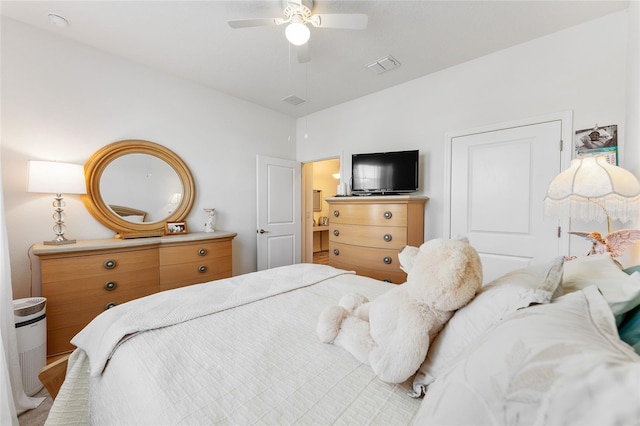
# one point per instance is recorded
(599, 140)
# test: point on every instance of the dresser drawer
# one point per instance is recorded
(388, 237)
(83, 266)
(369, 214)
(193, 252)
(381, 264)
(194, 262)
(180, 275)
(73, 304)
(120, 287)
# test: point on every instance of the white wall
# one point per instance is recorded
(62, 101)
(581, 69)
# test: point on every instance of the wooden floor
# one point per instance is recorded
(321, 257)
(37, 416)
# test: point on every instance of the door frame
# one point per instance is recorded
(307, 212)
(566, 154)
(307, 203)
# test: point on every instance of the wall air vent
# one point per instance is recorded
(293, 100)
(383, 64)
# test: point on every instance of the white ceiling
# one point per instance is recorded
(192, 39)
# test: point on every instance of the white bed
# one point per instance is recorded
(258, 362)
(536, 346)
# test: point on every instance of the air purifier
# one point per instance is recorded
(31, 332)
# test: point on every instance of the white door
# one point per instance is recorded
(279, 224)
(498, 183)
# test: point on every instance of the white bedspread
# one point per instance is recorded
(250, 363)
(107, 331)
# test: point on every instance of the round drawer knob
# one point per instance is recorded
(386, 260)
(109, 264)
(110, 285)
(387, 215)
(336, 232)
(387, 237)
(336, 213)
(202, 269)
(202, 252)
(110, 305)
(336, 252)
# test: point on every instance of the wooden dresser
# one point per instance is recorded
(366, 233)
(82, 280)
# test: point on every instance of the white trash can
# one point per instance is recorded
(31, 331)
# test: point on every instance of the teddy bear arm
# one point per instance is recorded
(352, 301)
(329, 323)
(354, 337)
(362, 312)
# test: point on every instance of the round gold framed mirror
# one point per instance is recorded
(135, 186)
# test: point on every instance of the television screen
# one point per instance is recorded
(384, 172)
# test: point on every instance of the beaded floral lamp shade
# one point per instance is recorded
(592, 189)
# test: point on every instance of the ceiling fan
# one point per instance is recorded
(297, 14)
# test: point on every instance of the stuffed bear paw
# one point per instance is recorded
(329, 323)
(352, 301)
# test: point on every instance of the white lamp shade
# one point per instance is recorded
(56, 178)
(591, 188)
(297, 33)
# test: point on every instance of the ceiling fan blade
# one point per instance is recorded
(349, 21)
(258, 22)
(303, 54)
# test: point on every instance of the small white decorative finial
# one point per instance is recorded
(209, 225)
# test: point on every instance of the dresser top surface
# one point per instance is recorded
(114, 243)
(379, 198)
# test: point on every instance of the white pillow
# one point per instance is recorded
(621, 291)
(538, 366)
(134, 218)
(590, 268)
(515, 290)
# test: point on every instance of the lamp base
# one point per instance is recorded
(58, 242)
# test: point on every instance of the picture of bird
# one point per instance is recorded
(615, 242)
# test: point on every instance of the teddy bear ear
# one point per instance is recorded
(462, 238)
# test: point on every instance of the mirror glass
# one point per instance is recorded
(141, 182)
(317, 200)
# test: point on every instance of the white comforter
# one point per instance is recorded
(256, 360)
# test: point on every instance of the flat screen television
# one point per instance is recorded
(384, 173)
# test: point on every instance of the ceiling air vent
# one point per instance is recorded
(293, 100)
(383, 64)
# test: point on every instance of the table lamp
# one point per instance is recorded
(56, 178)
(593, 189)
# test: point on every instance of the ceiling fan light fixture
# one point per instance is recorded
(297, 33)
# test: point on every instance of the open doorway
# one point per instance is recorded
(320, 180)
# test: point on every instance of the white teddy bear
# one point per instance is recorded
(393, 332)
